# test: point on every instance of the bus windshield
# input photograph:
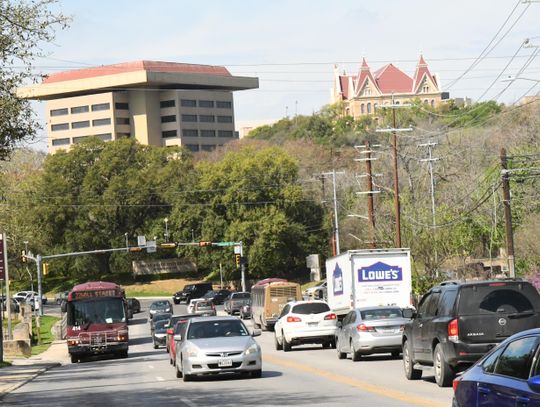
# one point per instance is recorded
(101, 311)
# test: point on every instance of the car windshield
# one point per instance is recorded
(209, 294)
(160, 304)
(216, 329)
(241, 296)
(159, 327)
(96, 311)
(159, 317)
(384, 313)
(203, 305)
(311, 308)
(496, 299)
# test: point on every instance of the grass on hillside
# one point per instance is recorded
(47, 337)
(14, 322)
(158, 288)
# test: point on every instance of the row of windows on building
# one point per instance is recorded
(203, 147)
(220, 104)
(202, 118)
(98, 107)
(86, 123)
(366, 108)
(197, 133)
(67, 141)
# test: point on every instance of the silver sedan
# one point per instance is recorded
(365, 331)
(217, 345)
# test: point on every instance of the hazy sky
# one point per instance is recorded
(293, 45)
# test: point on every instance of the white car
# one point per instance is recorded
(191, 305)
(303, 322)
(317, 292)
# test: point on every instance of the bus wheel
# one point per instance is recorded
(124, 354)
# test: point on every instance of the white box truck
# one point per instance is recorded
(366, 278)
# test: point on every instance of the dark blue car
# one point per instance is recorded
(509, 375)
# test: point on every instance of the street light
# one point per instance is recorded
(166, 229)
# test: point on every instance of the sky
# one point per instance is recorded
(292, 46)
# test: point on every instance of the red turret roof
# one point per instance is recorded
(422, 71)
(363, 76)
(152, 66)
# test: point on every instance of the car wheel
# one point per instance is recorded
(74, 359)
(408, 363)
(278, 345)
(176, 302)
(355, 355)
(286, 344)
(256, 374)
(395, 354)
(155, 346)
(444, 374)
(326, 345)
(340, 354)
(178, 372)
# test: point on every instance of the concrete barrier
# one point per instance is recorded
(17, 348)
(59, 328)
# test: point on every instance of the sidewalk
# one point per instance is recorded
(24, 370)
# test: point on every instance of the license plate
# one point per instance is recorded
(386, 330)
(225, 362)
(313, 323)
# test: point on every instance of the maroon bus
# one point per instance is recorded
(96, 320)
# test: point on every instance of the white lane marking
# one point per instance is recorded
(188, 402)
(150, 366)
(160, 379)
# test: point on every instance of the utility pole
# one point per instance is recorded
(336, 223)
(430, 161)
(507, 213)
(394, 132)
(370, 192)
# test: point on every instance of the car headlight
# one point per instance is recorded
(253, 349)
(167, 310)
(192, 351)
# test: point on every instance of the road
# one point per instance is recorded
(307, 376)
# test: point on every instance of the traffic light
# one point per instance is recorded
(167, 245)
(203, 244)
(45, 269)
(238, 260)
(135, 249)
(23, 256)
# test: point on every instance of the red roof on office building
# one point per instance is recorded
(151, 66)
(392, 80)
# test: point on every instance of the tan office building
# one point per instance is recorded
(157, 103)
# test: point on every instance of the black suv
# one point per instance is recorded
(191, 291)
(458, 322)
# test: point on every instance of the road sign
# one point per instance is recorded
(237, 250)
(141, 240)
(151, 246)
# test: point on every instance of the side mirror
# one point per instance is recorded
(408, 313)
(177, 338)
(256, 332)
(534, 383)
(63, 306)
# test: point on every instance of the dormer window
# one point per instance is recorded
(367, 91)
(425, 89)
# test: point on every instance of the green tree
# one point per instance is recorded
(24, 26)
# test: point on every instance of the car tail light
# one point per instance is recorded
(453, 330)
(330, 316)
(364, 328)
(455, 383)
(496, 284)
(293, 319)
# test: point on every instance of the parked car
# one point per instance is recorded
(317, 292)
(303, 322)
(509, 375)
(369, 330)
(217, 345)
(191, 291)
(235, 301)
(134, 305)
(191, 305)
(160, 307)
(159, 334)
(29, 297)
(61, 296)
(217, 297)
(245, 311)
(458, 322)
(206, 308)
(177, 329)
(14, 308)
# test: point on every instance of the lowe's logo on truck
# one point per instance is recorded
(337, 278)
(380, 272)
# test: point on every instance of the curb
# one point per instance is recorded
(21, 383)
